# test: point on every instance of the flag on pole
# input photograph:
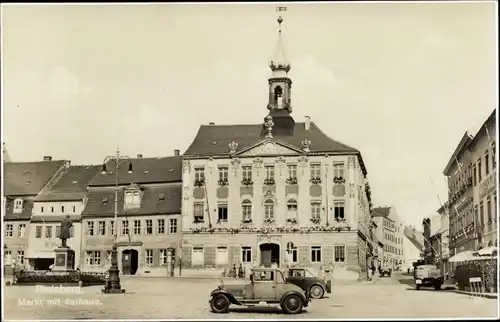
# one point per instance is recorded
(280, 8)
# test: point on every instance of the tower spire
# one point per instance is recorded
(279, 63)
(279, 121)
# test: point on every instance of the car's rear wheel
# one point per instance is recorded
(437, 286)
(292, 304)
(219, 303)
(316, 291)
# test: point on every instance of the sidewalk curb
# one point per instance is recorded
(486, 295)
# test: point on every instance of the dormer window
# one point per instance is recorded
(132, 199)
(18, 206)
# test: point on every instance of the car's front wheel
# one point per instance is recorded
(219, 303)
(316, 291)
(292, 304)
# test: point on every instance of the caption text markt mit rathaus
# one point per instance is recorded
(56, 302)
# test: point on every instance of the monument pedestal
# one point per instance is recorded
(64, 259)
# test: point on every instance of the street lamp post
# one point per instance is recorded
(114, 272)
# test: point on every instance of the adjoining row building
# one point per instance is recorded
(468, 220)
(277, 192)
(391, 234)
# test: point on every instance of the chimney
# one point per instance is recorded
(308, 123)
(47, 158)
(211, 123)
(139, 156)
(177, 152)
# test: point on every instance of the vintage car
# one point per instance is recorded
(311, 284)
(266, 285)
(385, 271)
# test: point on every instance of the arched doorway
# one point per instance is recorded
(130, 261)
(269, 254)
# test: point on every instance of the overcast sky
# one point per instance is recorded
(399, 82)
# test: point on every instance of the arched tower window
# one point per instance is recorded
(278, 97)
(268, 209)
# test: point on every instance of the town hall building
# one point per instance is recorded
(278, 193)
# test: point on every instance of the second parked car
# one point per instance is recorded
(314, 286)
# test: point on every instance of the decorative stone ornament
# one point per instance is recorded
(232, 147)
(280, 162)
(236, 165)
(269, 125)
(351, 162)
(303, 163)
(186, 166)
(306, 143)
(257, 163)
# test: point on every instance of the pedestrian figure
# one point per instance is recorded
(240, 271)
(234, 271)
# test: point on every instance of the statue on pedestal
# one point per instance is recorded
(65, 233)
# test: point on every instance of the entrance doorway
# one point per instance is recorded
(130, 261)
(269, 254)
(43, 264)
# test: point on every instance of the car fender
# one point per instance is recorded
(305, 301)
(230, 296)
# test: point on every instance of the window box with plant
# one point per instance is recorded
(291, 181)
(198, 220)
(340, 219)
(246, 221)
(223, 182)
(247, 182)
(269, 221)
(292, 221)
(269, 182)
(315, 220)
(338, 180)
(199, 182)
(315, 180)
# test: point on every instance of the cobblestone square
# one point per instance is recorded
(178, 298)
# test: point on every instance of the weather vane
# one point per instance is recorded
(280, 8)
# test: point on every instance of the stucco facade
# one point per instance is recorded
(228, 240)
(483, 150)
(391, 233)
(148, 208)
(274, 193)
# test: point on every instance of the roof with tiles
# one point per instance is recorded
(164, 199)
(214, 139)
(28, 178)
(71, 185)
(145, 171)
